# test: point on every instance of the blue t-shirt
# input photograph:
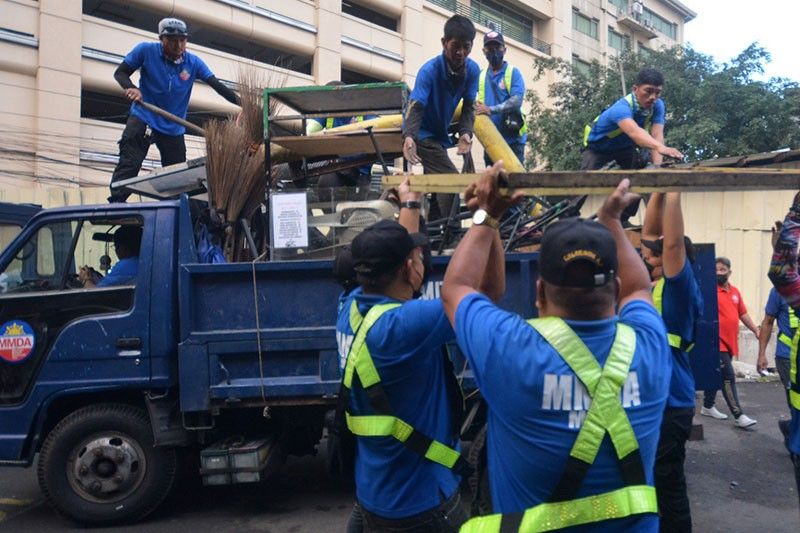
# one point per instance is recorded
(440, 94)
(537, 404)
(406, 346)
(517, 89)
(165, 84)
(683, 307)
(777, 308)
(609, 121)
(123, 273)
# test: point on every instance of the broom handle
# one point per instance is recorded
(174, 118)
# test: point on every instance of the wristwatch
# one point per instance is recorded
(482, 218)
(411, 204)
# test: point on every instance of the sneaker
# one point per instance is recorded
(713, 412)
(744, 421)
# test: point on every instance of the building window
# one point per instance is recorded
(660, 24)
(363, 13)
(643, 51)
(447, 4)
(580, 66)
(584, 24)
(618, 41)
(240, 45)
(352, 77)
(622, 5)
(511, 23)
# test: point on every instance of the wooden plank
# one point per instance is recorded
(340, 145)
(604, 181)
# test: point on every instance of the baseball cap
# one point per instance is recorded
(493, 37)
(172, 26)
(382, 247)
(575, 241)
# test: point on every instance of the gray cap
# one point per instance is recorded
(172, 26)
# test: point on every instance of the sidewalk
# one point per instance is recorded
(742, 480)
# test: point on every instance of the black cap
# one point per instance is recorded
(382, 247)
(493, 37)
(576, 241)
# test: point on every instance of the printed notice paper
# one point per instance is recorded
(289, 220)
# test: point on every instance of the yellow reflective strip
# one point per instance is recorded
(620, 503)
(444, 455)
(355, 316)
(785, 339)
(391, 426)
(378, 426)
(793, 320)
(329, 123)
(482, 86)
(627, 501)
(482, 524)
(658, 296)
(358, 358)
(794, 399)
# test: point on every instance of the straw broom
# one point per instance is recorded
(234, 162)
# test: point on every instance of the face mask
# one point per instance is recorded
(495, 58)
(722, 279)
(427, 265)
(650, 268)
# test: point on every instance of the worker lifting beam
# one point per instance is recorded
(699, 179)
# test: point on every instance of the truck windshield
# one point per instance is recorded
(54, 254)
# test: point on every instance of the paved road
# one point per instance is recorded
(738, 481)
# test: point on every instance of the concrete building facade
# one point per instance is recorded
(61, 112)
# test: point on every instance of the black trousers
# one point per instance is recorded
(133, 146)
(626, 159)
(436, 161)
(673, 501)
(446, 518)
(728, 387)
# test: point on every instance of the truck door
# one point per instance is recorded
(57, 332)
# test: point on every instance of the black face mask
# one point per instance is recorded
(427, 263)
(495, 58)
(722, 279)
(650, 268)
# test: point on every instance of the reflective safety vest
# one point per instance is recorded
(675, 340)
(794, 386)
(507, 80)
(329, 121)
(360, 368)
(605, 414)
(793, 323)
(648, 122)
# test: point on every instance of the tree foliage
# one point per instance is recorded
(713, 110)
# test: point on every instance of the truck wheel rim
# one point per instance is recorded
(106, 467)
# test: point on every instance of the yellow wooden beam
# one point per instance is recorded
(700, 179)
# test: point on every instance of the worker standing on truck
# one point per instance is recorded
(557, 384)
(668, 254)
(501, 89)
(167, 74)
(784, 276)
(441, 84)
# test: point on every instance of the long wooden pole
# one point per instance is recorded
(699, 179)
(174, 118)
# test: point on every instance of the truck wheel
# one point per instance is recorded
(98, 466)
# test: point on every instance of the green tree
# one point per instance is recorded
(713, 110)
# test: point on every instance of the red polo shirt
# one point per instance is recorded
(731, 307)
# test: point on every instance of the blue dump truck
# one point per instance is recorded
(234, 365)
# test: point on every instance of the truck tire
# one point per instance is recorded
(98, 466)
